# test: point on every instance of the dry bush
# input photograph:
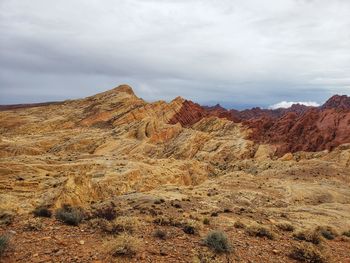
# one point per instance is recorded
(160, 234)
(168, 221)
(34, 224)
(109, 213)
(346, 233)
(123, 245)
(206, 221)
(218, 241)
(4, 243)
(190, 227)
(286, 227)
(307, 253)
(260, 231)
(42, 211)
(239, 224)
(327, 232)
(126, 224)
(120, 224)
(6, 218)
(69, 215)
(309, 236)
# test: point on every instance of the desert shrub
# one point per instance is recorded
(126, 224)
(159, 201)
(124, 245)
(167, 221)
(206, 221)
(218, 241)
(346, 233)
(286, 227)
(327, 232)
(190, 227)
(260, 231)
(309, 236)
(4, 243)
(239, 224)
(307, 253)
(6, 218)
(33, 224)
(42, 211)
(69, 215)
(160, 234)
(107, 213)
(119, 225)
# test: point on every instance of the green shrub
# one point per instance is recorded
(218, 241)
(69, 215)
(4, 243)
(42, 211)
(307, 253)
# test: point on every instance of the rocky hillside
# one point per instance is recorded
(175, 167)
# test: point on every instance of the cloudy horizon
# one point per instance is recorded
(240, 54)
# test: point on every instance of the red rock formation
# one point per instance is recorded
(189, 114)
(314, 130)
(298, 128)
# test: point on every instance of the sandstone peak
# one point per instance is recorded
(179, 99)
(124, 88)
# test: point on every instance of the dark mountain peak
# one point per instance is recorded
(337, 102)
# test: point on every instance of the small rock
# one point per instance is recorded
(275, 251)
(81, 242)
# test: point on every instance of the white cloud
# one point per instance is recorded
(287, 104)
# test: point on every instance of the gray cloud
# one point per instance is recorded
(238, 53)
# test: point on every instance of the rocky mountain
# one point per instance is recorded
(171, 166)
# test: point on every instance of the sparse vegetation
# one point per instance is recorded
(69, 215)
(260, 231)
(42, 211)
(286, 227)
(4, 243)
(327, 232)
(160, 234)
(346, 233)
(239, 224)
(159, 201)
(107, 213)
(6, 218)
(206, 221)
(218, 241)
(307, 253)
(34, 224)
(124, 245)
(126, 224)
(119, 225)
(190, 227)
(309, 236)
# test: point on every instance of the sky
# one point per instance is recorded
(240, 54)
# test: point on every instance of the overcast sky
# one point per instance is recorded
(237, 53)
